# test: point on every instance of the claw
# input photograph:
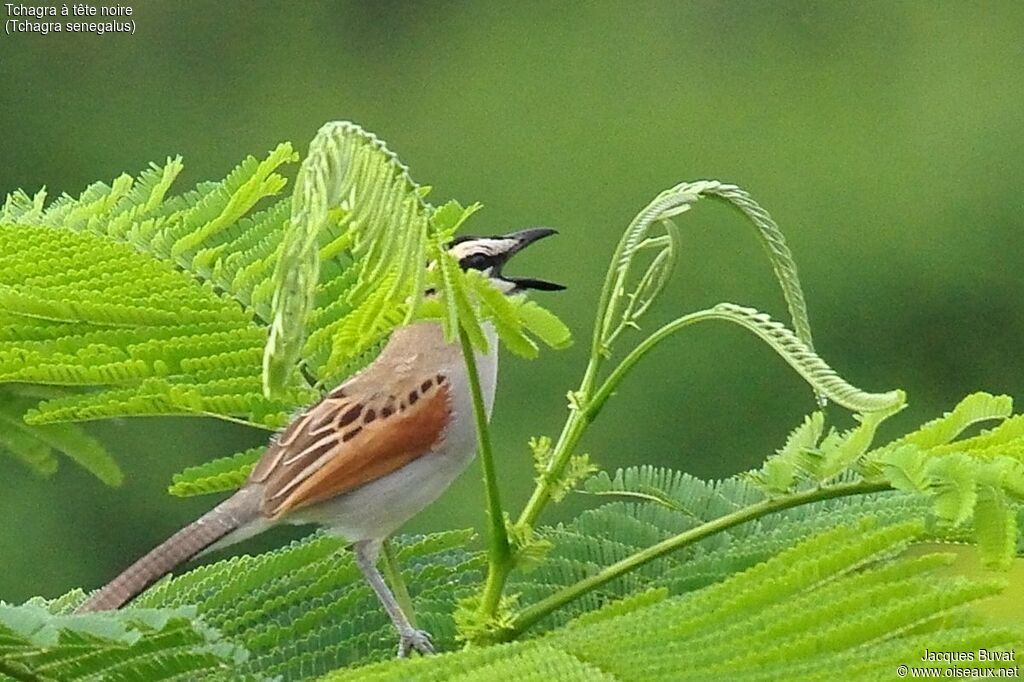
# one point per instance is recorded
(418, 640)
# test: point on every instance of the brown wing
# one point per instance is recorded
(346, 441)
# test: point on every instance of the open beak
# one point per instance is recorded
(523, 239)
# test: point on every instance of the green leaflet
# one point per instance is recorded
(262, 182)
(976, 478)
(32, 452)
(953, 486)
(387, 224)
(996, 523)
(904, 468)
(543, 324)
(497, 307)
(778, 474)
(37, 643)
(811, 454)
(456, 305)
(975, 408)
(216, 476)
(35, 445)
(208, 392)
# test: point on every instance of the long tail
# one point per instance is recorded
(191, 540)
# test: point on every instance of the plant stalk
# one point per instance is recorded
(592, 404)
(393, 572)
(499, 550)
(532, 614)
(578, 420)
(560, 454)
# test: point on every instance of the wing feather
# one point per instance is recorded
(344, 442)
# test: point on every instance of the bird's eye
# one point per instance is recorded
(476, 261)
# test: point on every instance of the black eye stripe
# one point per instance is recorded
(475, 261)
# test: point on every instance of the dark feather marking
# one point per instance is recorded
(413, 397)
(425, 386)
(351, 434)
(350, 416)
(370, 415)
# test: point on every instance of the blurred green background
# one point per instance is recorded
(886, 138)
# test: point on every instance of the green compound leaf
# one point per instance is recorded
(806, 362)
(35, 445)
(471, 298)
(216, 476)
(977, 478)
(975, 408)
(620, 308)
(37, 643)
(305, 610)
(386, 223)
(812, 611)
(93, 294)
(156, 303)
(996, 523)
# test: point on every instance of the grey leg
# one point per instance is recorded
(410, 638)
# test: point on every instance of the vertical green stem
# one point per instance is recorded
(562, 452)
(560, 455)
(499, 550)
(393, 573)
(578, 417)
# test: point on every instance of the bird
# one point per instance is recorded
(365, 458)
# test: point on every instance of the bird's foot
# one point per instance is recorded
(419, 640)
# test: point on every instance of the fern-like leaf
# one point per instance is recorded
(37, 643)
(156, 303)
(807, 613)
(35, 445)
(386, 221)
(216, 476)
(305, 610)
(802, 358)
